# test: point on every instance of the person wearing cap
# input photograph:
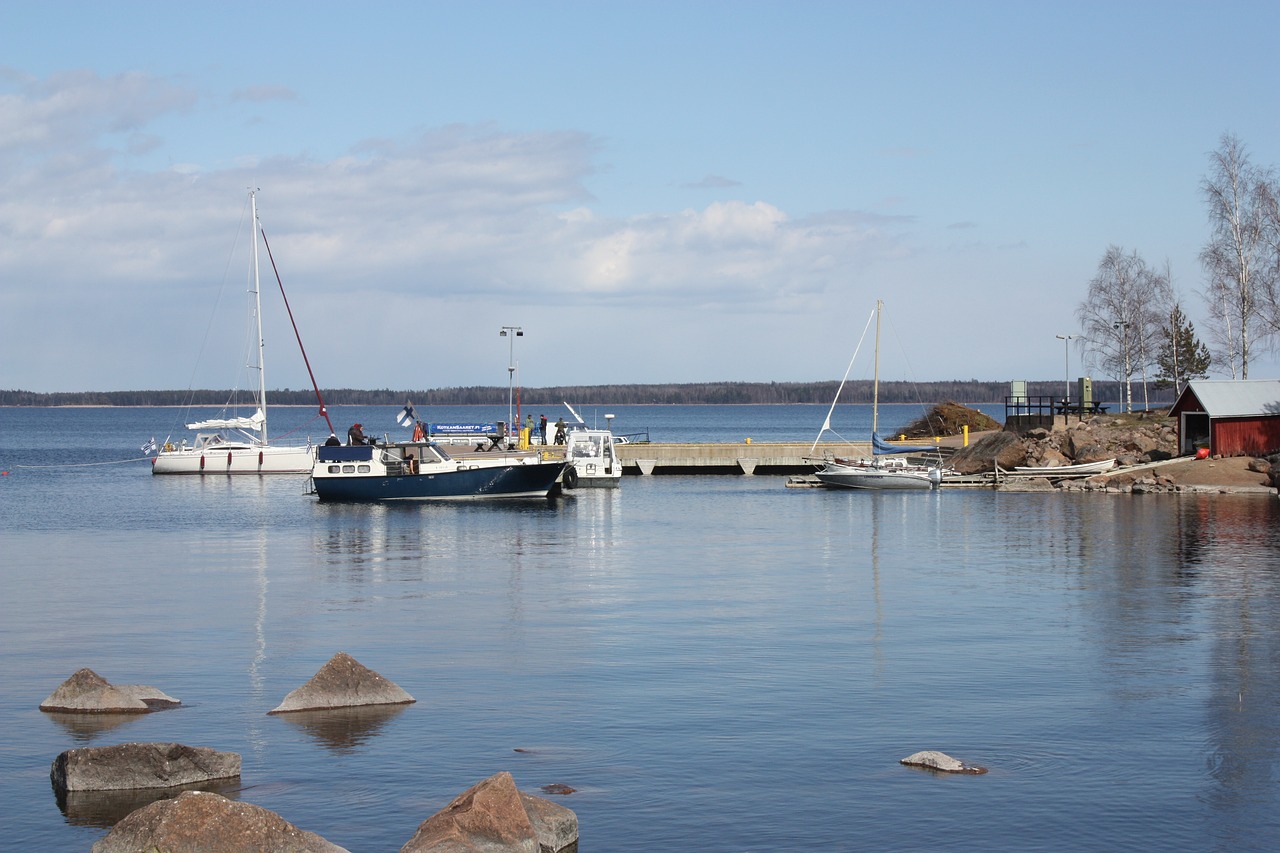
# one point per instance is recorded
(355, 435)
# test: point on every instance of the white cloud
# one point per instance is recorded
(455, 222)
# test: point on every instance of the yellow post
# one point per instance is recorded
(748, 439)
(964, 430)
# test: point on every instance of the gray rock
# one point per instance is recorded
(1002, 447)
(343, 682)
(1026, 484)
(493, 817)
(140, 765)
(86, 692)
(199, 822)
(555, 826)
(940, 761)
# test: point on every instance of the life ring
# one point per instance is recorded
(570, 479)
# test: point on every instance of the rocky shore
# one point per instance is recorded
(1144, 446)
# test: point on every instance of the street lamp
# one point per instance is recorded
(1123, 327)
(1066, 367)
(515, 332)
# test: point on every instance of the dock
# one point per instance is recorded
(740, 459)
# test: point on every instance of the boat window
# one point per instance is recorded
(348, 469)
(363, 469)
(334, 469)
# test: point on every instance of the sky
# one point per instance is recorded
(652, 191)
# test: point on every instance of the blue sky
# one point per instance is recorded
(655, 192)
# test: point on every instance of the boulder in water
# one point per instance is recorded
(493, 815)
(128, 766)
(198, 821)
(935, 760)
(86, 692)
(343, 682)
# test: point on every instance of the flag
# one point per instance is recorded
(407, 415)
(150, 446)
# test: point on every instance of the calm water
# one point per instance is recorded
(714, 663)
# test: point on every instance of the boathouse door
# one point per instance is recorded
(1194, 430)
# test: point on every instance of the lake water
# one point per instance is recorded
(714, 663)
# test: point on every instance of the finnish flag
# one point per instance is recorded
(150, 446)
(407, 415)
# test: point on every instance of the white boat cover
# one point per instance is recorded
(253, 422)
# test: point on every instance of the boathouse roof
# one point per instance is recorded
(1230, 398)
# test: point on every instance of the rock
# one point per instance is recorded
(940, 761)
(343, 682)
(1004, 448)
(1260, 466)
(494, 817)
(1026, 484)
(197, 822)
(86, 692)
(140, 765)
(555, 826)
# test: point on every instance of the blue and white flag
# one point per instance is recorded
(407, 415)
(150, 446)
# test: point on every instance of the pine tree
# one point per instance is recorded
(1182, 355)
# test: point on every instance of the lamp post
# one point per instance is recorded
(511, 333)
(1123, 327)
(1066, 367)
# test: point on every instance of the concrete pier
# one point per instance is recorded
(754, 458)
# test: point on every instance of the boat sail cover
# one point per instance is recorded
(880, 447)
(253, 422)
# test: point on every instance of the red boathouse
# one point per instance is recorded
(1230, 417)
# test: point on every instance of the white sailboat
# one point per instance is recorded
(239, 445)
(886, 469)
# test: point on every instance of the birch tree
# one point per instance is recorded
(1122, 317)
(1239, 278)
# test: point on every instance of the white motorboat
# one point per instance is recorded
(239, 444)
(591, 454)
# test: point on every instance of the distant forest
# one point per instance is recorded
(725, 393)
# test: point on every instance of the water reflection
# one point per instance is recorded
(85, 728)
(344, 729)
(104, 809)
(1237, 552)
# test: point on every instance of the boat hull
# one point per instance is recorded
(871, 477)
(235, 460)
(514, 480)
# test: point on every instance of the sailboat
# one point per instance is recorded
(887, 468)
(239, 445)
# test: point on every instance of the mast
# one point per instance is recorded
(257, 304)
(875, 385)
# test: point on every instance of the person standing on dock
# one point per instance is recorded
(559, 430)
(542, 428)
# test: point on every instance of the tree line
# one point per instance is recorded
(971, 391)
(1133, 322)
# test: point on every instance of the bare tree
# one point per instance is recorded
(1269, 209)
(1122, 317)
(1234, 259)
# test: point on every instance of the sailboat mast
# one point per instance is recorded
(257, 305)
(875, 385)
